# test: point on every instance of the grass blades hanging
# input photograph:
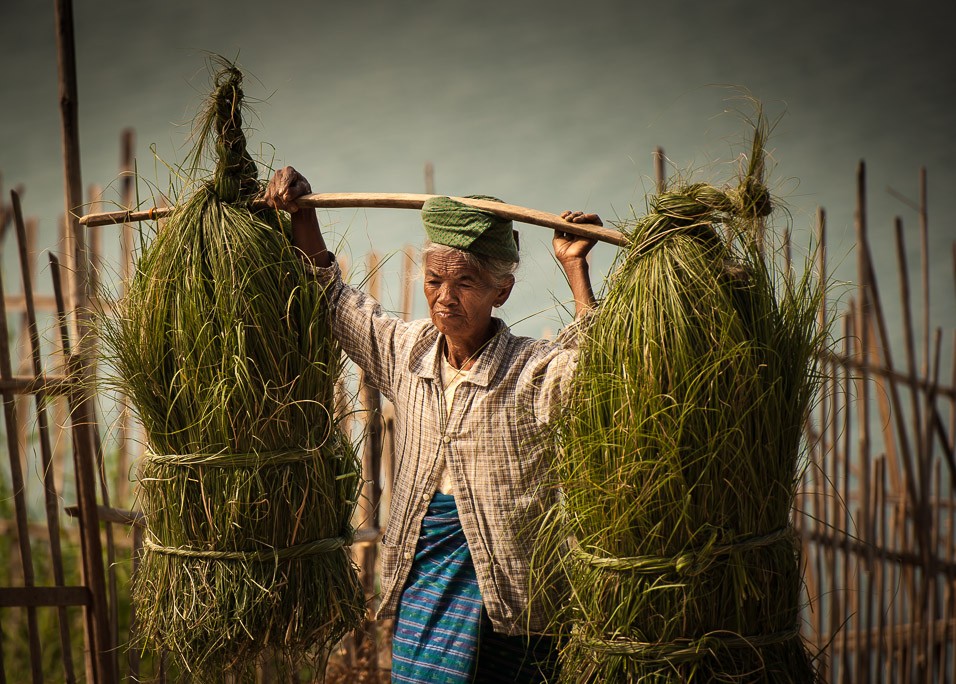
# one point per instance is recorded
(681, 450)
(223, 346)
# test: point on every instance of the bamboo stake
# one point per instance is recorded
(839, 390)
(133, 654)
(51, 498)
(951, 553)
(906, 615)
(936, 646)
(866, 269)
(928, 596)
(659, 172)
(102, 665)
(19, 494)
(370, 500)
(866, 279)
(408, 276)
(95, 258)
(848, 614)
(384, 200)
(126, 272)
(70, 129)
(899, 520)
(924, 257)
(84, 459)
(429, 178)
(881, 654)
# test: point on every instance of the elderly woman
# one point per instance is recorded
(472, 408)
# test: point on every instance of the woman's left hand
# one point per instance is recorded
(569, 247)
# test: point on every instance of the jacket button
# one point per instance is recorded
(407, 556)
(446, 439)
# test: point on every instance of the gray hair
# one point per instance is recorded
(501, 270)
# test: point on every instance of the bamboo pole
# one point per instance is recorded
(384, 200)
(429, 178)
(866, 268)
(19, 494)
(370, 499)
(847, 590)
(839, 410)
(866, 279)
(95, 194)
(951, 553)
(23, 367)
(659, 172)
(103, 664)
(924, 262)
(928, 597)
(898, 520)
(84, 460)
(126, 272)
(820, 507)
(882, 659)
(951, 537)
(936, 647)
(408, 276)
(70, 130)
(51, 499)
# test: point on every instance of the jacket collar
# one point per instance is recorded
(427, 352)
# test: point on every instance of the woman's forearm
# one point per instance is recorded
(579, 278)
(307, 236)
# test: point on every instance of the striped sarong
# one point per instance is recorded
(436, 630)
(442, 633)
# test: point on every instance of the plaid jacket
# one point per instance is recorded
(494, 442)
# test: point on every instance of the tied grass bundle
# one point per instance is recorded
(681, 451)
(223, 345)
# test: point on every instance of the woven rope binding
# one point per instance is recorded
(692, 561)
(684, 649)
(233, 460)
(303, 550)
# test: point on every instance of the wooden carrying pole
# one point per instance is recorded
(384, 200)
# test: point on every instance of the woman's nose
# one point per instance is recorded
(447, 294)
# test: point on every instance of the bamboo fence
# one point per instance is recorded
(876, 506)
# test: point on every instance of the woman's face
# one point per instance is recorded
(461, 297)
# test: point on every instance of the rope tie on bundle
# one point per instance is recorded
(234, 460)
(266, 555)
(690, 563)
(685, 650)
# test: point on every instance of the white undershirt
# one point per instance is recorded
(451, 377)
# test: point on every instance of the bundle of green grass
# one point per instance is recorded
(223, 346)
(682, 449)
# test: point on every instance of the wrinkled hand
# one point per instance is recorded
(285, 187)
(569, 247)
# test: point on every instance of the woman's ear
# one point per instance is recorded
(504, 291)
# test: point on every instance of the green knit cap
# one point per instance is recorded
(452, 223)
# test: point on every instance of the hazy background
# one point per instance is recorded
(551, 105)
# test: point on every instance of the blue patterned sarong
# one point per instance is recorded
(437, 628)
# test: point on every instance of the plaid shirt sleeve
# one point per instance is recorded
(367, 333)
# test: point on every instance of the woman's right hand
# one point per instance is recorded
(285, 187)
